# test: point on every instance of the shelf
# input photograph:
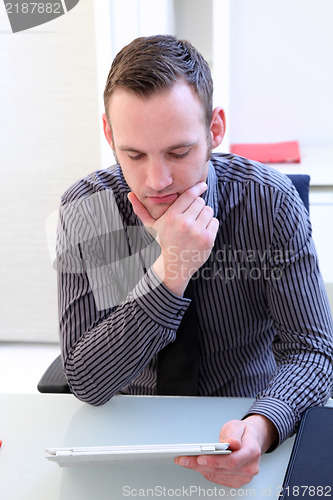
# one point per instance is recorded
(316, 161)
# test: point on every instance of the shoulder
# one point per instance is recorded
(243, 182)
(237, 169)
(109, 179)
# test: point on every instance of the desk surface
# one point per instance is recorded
(31, 423)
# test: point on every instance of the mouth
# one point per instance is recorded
(170, 198)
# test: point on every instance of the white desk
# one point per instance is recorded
(30, 423)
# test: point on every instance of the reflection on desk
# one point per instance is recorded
(31, 423)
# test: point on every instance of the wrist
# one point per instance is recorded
(172, 279)
(267, 433)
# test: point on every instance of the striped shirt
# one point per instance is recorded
(264, 324)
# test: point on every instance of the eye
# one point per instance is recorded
(135, 157)
(179, 156)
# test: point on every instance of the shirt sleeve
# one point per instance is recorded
(107, 342)
(298, 305)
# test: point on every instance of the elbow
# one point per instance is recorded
(90, 397)
(87, 391)
(88, 385)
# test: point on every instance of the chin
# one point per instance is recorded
(157, 211)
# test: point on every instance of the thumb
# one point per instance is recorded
(232, 432)
(140, 210)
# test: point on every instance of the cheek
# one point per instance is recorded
(198, 172)
(131, 175)
(194, 171)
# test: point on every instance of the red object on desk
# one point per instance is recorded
(276, 152)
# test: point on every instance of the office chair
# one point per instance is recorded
(301, 183)
(54, 380)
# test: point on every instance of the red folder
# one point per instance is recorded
(277, 152)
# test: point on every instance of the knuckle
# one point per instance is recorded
(255, 454)
(211, 476)
(238, 482)
(243, 480)
(186, 225)
(254, 470)
(207, 240)
(203, 242)
(251, 470)
(171, 217)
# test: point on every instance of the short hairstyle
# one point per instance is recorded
(155, 63)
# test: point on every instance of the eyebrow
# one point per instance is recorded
(172, 148)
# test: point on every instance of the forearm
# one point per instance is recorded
(293, 389)
(98, 367)
(111, 352)
(303, 347)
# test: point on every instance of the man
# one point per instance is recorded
(131, 238)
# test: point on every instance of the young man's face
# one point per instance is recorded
(161, 143)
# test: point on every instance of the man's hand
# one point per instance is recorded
(247, 439)
(186, 233)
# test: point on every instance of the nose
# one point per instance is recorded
(159, 175)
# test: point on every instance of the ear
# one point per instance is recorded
(217, 127)
(107, 130)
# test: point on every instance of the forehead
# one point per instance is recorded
(167, 113)
(179, 85)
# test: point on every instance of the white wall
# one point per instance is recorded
(49, 138)
(272, 71)
(118, 22)
(51, 88)
(281, 72)
(193, 21)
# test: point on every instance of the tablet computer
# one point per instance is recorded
(309, 473)
(153, 453)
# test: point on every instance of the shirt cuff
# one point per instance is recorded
(279, 413)
(159, 302)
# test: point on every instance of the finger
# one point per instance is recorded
(223, 472)
(235, 464)
(140, 210)
(205, 216)
(189, 462)
(228, 480)
(213, 227)
(183, 201)
(203, 462)
(208, 226)
(195, 209)
(223, 464)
